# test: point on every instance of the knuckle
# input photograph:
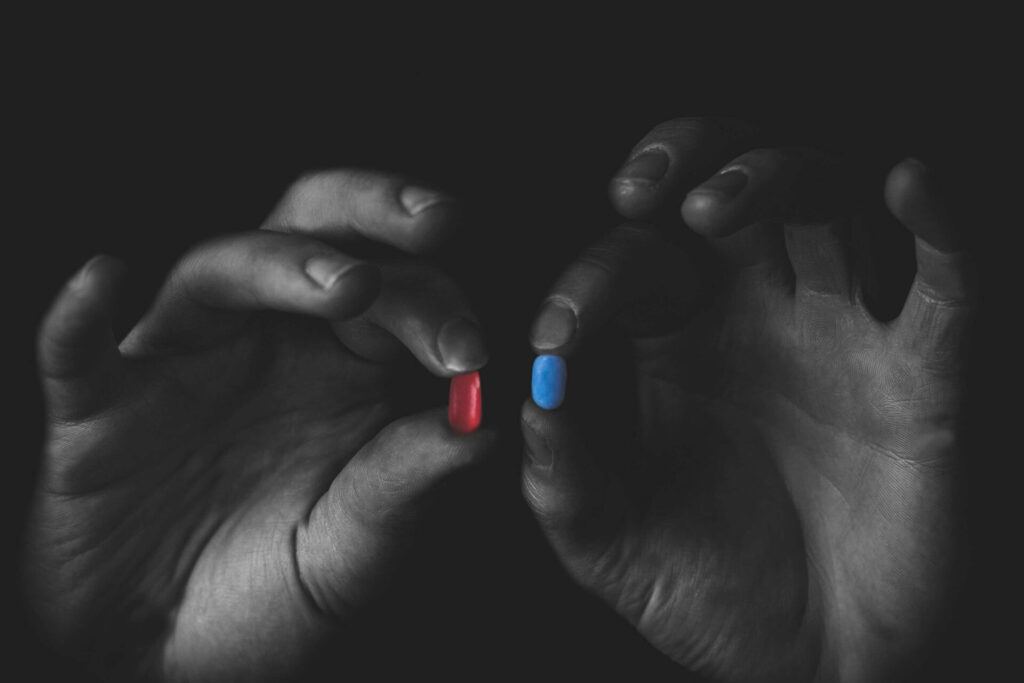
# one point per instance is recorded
(317, 182)
(308, 183)
(762, 158)
(728, 129)
(676, 131)
(303, 196)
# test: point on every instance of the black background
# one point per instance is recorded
(139, 149)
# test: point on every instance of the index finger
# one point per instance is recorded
(343, 206)
(632, 275)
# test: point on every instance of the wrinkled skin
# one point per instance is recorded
(785, 509)
(226, 490)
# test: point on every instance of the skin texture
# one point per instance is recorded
(226, 489)
(781, 507)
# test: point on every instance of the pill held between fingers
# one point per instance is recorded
(465, 406)
(548, 383)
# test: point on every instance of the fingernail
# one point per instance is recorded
(82, 276)
(647, 168)
(461, 345)
(728, 183)
(554, 327)
(416, 200)
(325, 270)
(548, 382)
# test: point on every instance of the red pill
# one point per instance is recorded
(465, 407)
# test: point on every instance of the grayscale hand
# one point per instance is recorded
(784, 511)
(226, 490)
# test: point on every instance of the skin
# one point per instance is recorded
(226, 489)
(782, 507)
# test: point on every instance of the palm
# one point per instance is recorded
(784, 508)
(220, 457)
(226, 490)
(775, 432)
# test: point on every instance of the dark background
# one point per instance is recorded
(139, 151)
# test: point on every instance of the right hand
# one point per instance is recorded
(225, 490)
(779, 503)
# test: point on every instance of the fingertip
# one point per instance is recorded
(434, 218)
(91, 290)
(555, 326)
(75, 333)
(634, 201)
(711, 209)
(701, 212)
(636, 189)
(101, 270)
(461, 347)
(903, 181)
(455, 449)
(428, 440)
(341, 204)
(914, 198)
(416, 200)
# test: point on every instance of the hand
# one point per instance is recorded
(225, 490)
(782, 508)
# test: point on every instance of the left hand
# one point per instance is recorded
(226, 492)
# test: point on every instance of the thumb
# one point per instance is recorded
(79, 364)
(364, 520)
(391, 474)
(579, 506)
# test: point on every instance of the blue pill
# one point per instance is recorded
(549, 381)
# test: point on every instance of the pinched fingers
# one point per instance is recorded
(309, 270)
(421, 311)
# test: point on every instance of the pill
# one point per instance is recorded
(548, 381)
(465, 407)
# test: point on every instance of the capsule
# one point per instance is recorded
(548, 385)
(465, 406)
